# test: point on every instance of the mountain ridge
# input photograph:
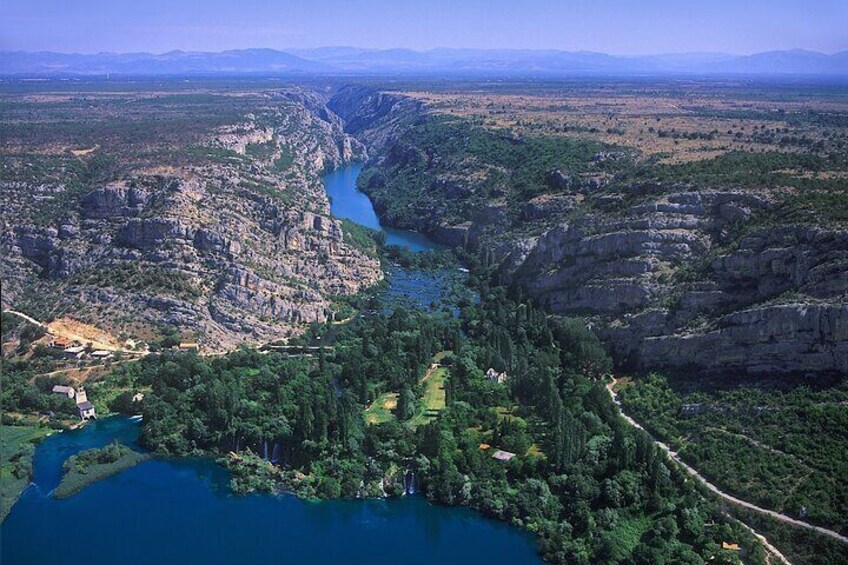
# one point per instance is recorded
(452, 61)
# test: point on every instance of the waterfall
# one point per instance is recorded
(265, 450)
(237, 444)
(409, 482)
(275, 455)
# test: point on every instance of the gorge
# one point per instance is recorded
(442, 295)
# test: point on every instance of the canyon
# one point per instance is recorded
(703, 278)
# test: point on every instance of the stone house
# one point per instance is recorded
(78, 352)
(63, 390)
(86, 411)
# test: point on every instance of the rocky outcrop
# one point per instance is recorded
(669, 276)
(111, 201)
(653, 294)
(153, 232)
(240, 249)
(801, 338)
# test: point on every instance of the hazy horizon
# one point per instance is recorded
(437, 48)
(615, 27)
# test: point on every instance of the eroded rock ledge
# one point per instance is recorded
(665, 280)
(239, 250)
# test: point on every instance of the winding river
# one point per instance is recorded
(181, 511)
(410, 287)
(348, 202)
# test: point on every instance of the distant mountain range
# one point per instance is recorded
(350, 60)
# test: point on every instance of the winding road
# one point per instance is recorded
(728, 497)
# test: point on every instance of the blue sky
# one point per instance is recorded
(624, 27)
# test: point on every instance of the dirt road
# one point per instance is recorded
(728, 497)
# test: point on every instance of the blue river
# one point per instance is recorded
(181, 511)
(348, 202)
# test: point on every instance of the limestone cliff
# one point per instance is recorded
(236, 246)
(678, 276)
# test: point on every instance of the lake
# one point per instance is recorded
(182, 511)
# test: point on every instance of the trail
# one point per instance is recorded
(728, 497)
(27, 318)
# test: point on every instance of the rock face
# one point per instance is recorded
(773, 305)
(113, 201)
(671, 277)
(786, 338)
(240, 249)
(373, 117)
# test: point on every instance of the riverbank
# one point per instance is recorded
(17, 446)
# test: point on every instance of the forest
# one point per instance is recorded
(754, 439)
(590, 487)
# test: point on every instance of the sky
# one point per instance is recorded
(619, 27)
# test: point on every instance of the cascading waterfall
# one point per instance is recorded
(265, 450)
(409, 482)
(275, 454)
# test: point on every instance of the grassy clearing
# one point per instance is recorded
(433, 400)
(16, 449)
(380, 410)
(535, 451)
(505, 413)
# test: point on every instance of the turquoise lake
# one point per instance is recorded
(181, 511)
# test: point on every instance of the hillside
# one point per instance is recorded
(697, 227)
(198, 210)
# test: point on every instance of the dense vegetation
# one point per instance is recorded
(25, 389)
(783, 447)
(419, 177)
(592, 488)
(16, 450)
(798, 545)
(93, 465)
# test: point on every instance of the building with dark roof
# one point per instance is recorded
(86, 410)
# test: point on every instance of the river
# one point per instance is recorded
(410, 287)
(181, 511)
(348, 202)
